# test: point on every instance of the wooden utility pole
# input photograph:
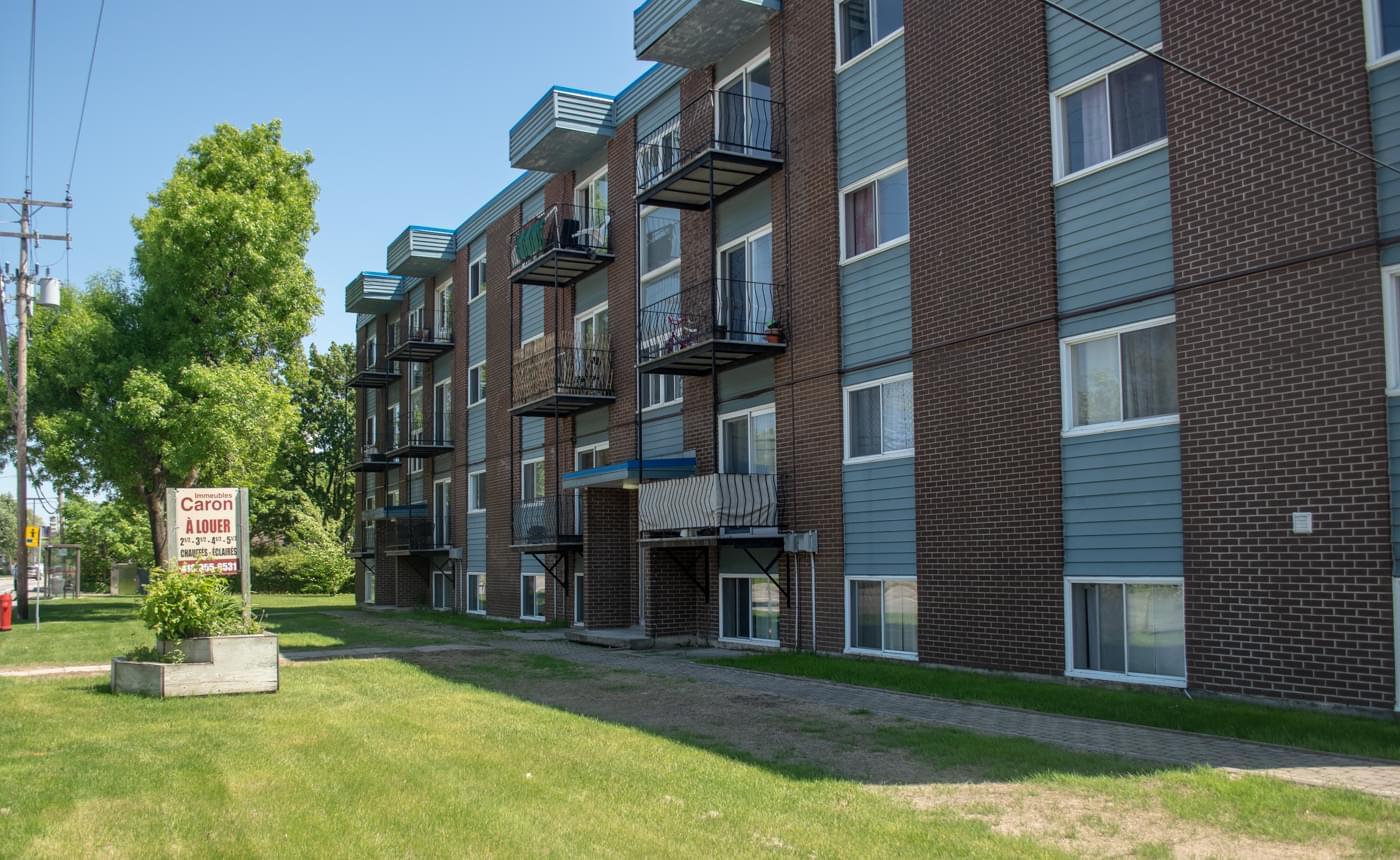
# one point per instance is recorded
(27, 205)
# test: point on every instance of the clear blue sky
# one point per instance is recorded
(405, 105)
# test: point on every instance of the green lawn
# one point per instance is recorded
(1172, 710)
(336, 762)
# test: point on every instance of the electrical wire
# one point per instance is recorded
(82, 112)
(1202, 78)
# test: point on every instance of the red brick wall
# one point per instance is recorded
(1281, 374)
(502, 431)
(987, 471)
(610, 557)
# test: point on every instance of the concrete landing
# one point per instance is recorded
(623, 638)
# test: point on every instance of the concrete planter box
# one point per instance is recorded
(214, 665)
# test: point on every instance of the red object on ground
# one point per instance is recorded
(6, 602)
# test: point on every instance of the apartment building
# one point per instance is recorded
(955, 332)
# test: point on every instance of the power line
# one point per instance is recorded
(1223, 88)
(82, 112)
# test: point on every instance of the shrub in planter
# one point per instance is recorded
(180, 605)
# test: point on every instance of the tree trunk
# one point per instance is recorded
(155, 513)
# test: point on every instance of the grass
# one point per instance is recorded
(1327, 732)
(93, 630)
(85, 773)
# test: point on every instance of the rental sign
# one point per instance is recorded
(208, 528)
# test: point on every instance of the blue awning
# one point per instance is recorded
(630, 473)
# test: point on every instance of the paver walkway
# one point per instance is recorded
(1330, 770)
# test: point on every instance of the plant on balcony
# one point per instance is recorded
(775, 332)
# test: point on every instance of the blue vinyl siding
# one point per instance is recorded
(476, 543)
(591, 291)
(1113, 233)
(664, 108)
(870, 374)
(663, 432)
(875, 307)
(531, 311)
(1162, 306)
(1077, 50)
(877, 504)
(1122, 503)
(476, 332)
(529, 564)
(531, 436)
(1393, 414)
(745, 212)
(870, 114)
(476, 434)
(1385, 126)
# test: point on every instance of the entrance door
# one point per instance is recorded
(442, 513)
(744, 121)
(746, 287)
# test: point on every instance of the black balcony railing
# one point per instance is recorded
(363, 543)
(739, 319)
(418, 343)
(561, 245)
(415, 535)
(565, 377)
(420, 443)
(743, 507)
(743, 136)
(545, 522)
(373, 459)
(372, 369)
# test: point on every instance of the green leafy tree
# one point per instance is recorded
(9, 527)
(110, 532)
(179, 379)
(319, 454)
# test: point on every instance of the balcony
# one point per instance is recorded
(552, 379)
(695, 33)
(421, 252)
(705, 510)
(418, 344)
(560, 245)
(545, 525)
(373, 370)
(416, 536)
(362, 546)
(703, 328)
(718, 145)
(421, 445)
(560, 130)
(373, 293)
(372, 459)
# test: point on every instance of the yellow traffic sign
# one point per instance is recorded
(31, 536)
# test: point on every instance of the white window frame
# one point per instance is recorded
(394, 417)
(531, 339)
(872, 179)
(369, 584)
(391, 498)
(371, 351)
(1375, 48)
(842, 65)
(899, 454)
(476, 478)
(745, 242)
(594, 449)
(436, 524)
(1125, 676)
(446, 430)
(591, 313)
(476, 389)
(1067, 379)
(912, 656)
(677, 386)
(415, 465)
(578, 600)
(524, 576)
(1057, 122)
(1390, 303)
(472, 577)
(371, 437)
(443, 289)
(479, 259)
(433, 591)
(750, 640)
(764, 56)
(530, 462)
(588, 185)
(663, 269)
(750, 413)
(417, 315)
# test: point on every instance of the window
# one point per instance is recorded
(1390, 301)
(875, 213)
(532, 480)
(476, 384)
(369, 583)
(1124, 377)
(748, 442)
(1130, 627)
(591, 202)
(476, 492)
(744, 110)
(1110, 115)
(862, 24)
(371, 350)
(416, 316)
(442, 412)
(372, 434)
(415, 465)
(442, 310)
(880, 419)
(660, 239)
(394, 428)
(586, 457)
(392, 498)
(578, 600)
(1383, 29)
(658, 152)
(476, 593)
(444, 590)
(442, 512)
(532, 596)
(882, 616)
(745, 299)
(748, 609)
(591, 328)
(661, 389)
(476, 277)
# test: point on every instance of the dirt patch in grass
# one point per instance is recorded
(1007, 784)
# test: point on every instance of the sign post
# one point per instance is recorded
(209, 528)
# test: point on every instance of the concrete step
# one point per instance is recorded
(626, 638)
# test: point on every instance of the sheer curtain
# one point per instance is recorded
(1149, 372)
(1138, 105)
(1086, 127)
(898, 408)
(860, 220)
